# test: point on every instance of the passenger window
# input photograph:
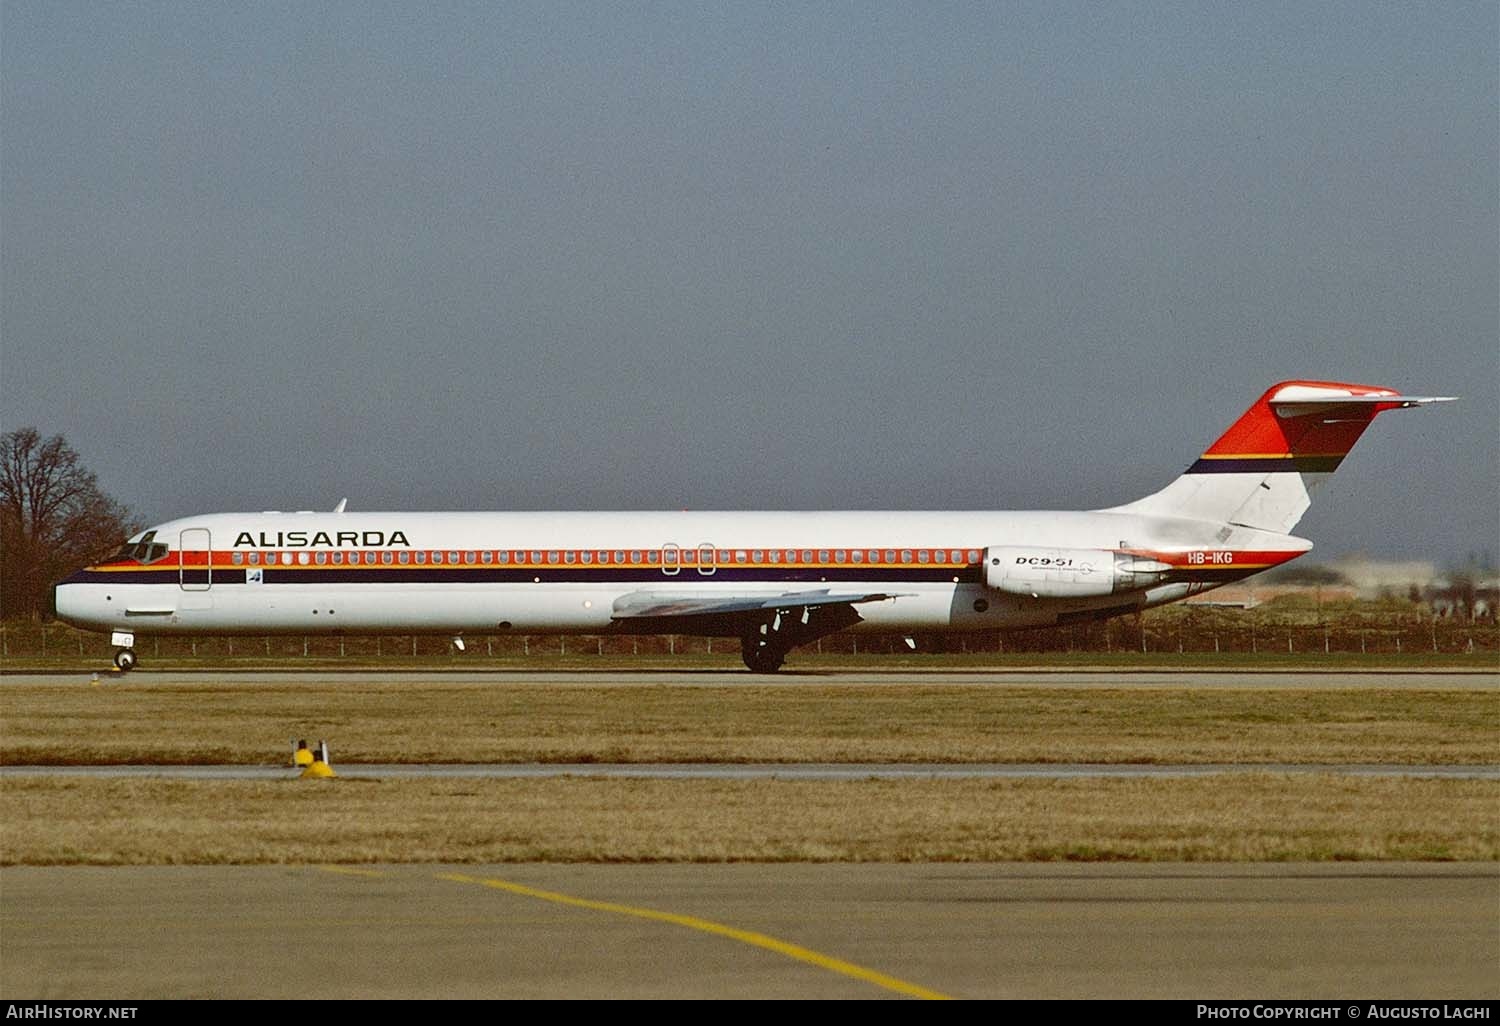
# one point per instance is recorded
(403, 557)
(922, 556)
(320, 558)
(237, 558)
(822, 555)
(503, 556)
(255, 559)
(302, 558)
(552, 556)
(437, 558)
(469, 558)
(387, 558)
(486, 557)
(906, 555)
(420, 557)
(570, 557)
(586, 556)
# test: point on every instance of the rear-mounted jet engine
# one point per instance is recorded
(1068, 573)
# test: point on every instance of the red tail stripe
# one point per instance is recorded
(1262, 432)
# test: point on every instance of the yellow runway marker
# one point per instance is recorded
(348, 871)
(759, 940)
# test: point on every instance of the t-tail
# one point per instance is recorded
(1261, 472)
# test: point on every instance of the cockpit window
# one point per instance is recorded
(146, 550)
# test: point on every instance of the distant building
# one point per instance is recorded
(1249, 593)
(1373, 579)
(1457, 594)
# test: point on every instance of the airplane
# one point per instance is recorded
(775, 580)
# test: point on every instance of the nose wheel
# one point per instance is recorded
(124, 659)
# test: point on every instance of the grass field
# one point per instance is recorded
(1256, 817)
(135, 720)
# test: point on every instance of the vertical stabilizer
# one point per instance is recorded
(1261, 472)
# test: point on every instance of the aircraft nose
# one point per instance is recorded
(61, 600)
(68, 600)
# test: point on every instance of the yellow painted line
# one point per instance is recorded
(350, 871)
(759, 940)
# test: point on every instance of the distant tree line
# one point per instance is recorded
(54, 519)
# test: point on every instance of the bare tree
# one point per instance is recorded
(53, 520)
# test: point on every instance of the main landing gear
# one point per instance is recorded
(764, 649)
(761, 658)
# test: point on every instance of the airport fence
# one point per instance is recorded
(1269, 630)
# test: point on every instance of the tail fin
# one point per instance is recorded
(1261, 472)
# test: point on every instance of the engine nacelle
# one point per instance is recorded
(1068, 573)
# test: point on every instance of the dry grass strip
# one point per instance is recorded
(1254, 817)
(138, 721)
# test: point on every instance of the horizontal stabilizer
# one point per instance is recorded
(1302, 401)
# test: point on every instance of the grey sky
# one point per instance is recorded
(475, 256)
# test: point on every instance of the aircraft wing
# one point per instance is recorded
(781, 622)
(768, 625)
(643, 605)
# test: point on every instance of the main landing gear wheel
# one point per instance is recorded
(763, 660)
(124, 659)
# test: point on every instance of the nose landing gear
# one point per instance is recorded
(124, 642)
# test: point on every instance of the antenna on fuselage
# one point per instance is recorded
(340, 507)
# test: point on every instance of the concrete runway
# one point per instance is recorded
(1336, 931)
(1439, 680)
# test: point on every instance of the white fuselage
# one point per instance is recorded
(774, 580)
(578, 572)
